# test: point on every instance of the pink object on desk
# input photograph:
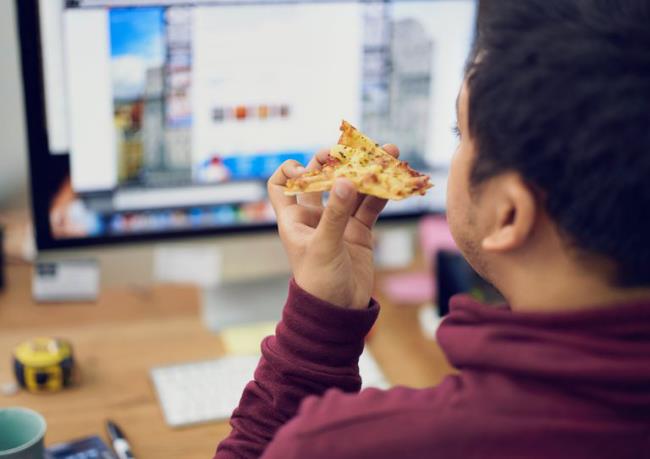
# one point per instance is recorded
(435, 236)
(418, 288)
(409, 288)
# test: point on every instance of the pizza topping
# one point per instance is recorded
(373, 170)
(332, 161)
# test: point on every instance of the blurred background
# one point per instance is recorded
(140, 132)
(135, 144)
(13, 157)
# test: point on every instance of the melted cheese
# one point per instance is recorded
(373, 170)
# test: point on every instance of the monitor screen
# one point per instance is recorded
(167, 117)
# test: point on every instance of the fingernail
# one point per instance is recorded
(300, 169)
(341, 190)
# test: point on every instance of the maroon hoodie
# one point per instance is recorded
(532, 385)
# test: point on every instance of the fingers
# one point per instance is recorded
(357, 204)
(301, 215)
(311, 199)
(314, 199)
(366, 209)
(369, 210)
(391, 149)
(335, 217)
(319, 159)
(276, 183)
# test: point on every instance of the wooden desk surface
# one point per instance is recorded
(128, 331)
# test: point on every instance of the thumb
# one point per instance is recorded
(340, 206)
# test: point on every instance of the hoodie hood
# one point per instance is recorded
(602, 354)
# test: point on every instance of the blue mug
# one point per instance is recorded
(22, 434)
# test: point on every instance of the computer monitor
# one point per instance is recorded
(153, 119)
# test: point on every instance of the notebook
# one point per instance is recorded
(84, 448)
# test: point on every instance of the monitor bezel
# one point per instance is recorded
(27, 12)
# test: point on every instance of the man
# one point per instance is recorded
(548, 199)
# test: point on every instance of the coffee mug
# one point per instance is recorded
(22, 433)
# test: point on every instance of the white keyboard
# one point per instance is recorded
(199, 392)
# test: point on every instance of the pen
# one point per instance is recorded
(120, 444)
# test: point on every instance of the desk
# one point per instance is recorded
(119, 338)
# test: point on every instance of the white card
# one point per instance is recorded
(200, 265)
(70, 280)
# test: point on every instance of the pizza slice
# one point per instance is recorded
(374, 171)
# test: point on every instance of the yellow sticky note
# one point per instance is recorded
(246, 339)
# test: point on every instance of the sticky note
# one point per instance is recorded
(246, 339)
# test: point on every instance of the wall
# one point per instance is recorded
(13, 149)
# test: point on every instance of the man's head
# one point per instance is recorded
(553, 163)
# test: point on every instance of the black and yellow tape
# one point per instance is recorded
(44, 364)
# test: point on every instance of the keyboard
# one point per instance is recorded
(199, 392)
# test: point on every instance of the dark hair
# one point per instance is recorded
(559, 91)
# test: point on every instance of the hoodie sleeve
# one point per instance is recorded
(316, 347)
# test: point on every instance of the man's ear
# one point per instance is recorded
(516, 211)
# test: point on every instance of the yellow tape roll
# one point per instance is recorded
(44, 364)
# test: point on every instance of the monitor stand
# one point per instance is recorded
(244, 302)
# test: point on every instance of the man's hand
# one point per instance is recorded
(329, 248)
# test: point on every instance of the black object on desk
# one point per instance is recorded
(454, 275)
(118, 439)
(85, 448)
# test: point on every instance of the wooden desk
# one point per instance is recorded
(119, 338)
